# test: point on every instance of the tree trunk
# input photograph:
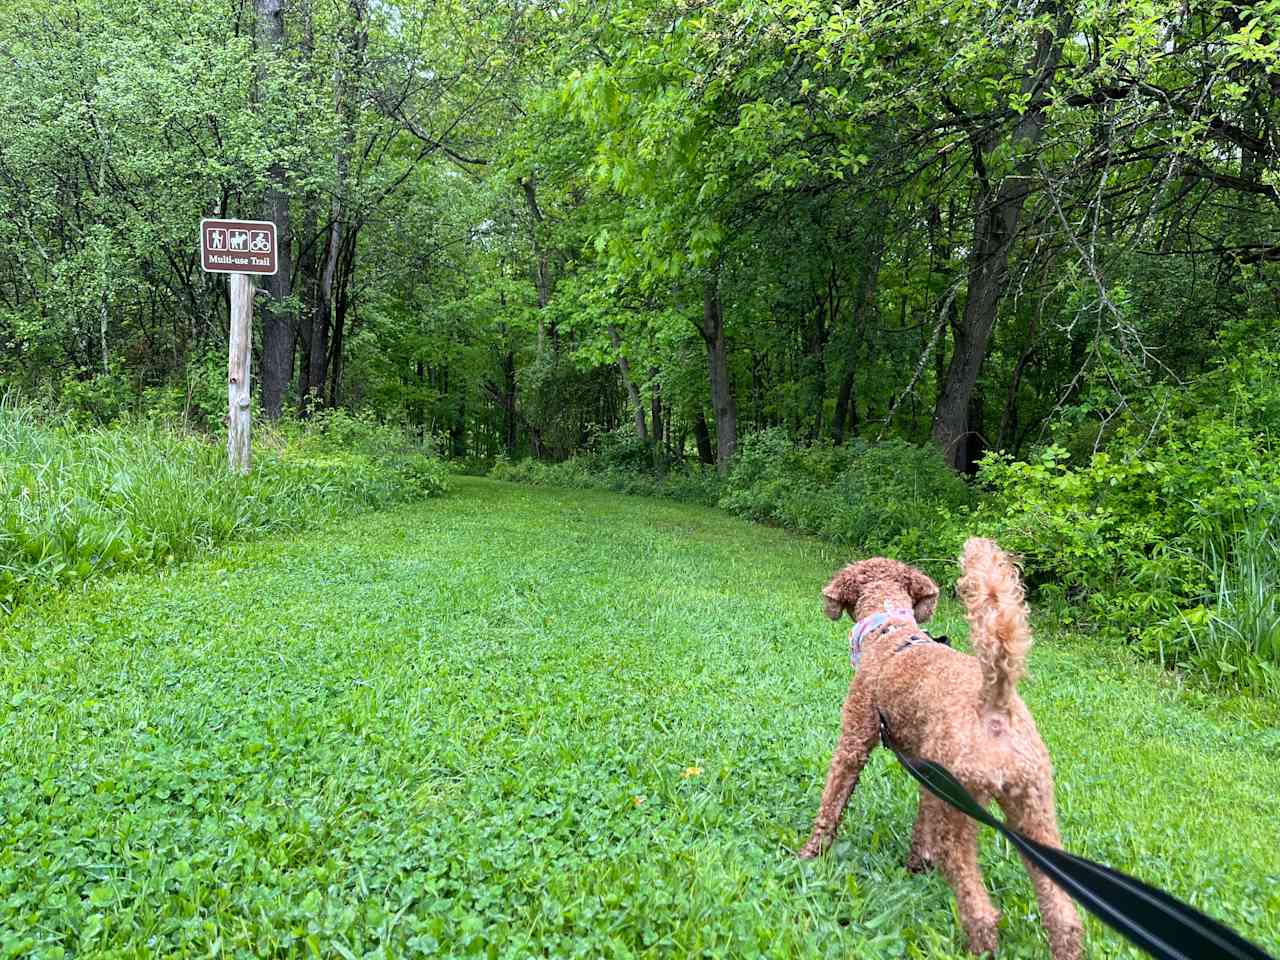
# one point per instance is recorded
(1009, 419)
(702, 437)
(997, 211)
(655, 406)
(824, 321)
(975, 441)
(633, 394)
(510, 433)
(335, 347)
(846, 412)
(846, 407)
(542, 266)
(279, 323)
(328, 302)
(458, 434)
(309, 253)
(723, 404)
(342, 306)
(309, 283)
(322, 314)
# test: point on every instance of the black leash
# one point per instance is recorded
(1151, 919)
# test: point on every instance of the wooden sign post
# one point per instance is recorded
(240, 248)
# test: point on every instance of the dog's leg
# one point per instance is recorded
(955, 840)
(1032, 813)
(859, 733)
(920, 856)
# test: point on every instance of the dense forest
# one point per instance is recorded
(520, 225)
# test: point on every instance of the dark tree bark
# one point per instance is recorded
(845, 418)
(510, 423)
(1009, 419)
(975, 441)
(702, 437)
(846, 413)
(279, 321)
(723, 404)
(997, 212)
(458, 434)
(825, 314)
(324, 344)
(308, 279)
(342, 309)
(322, 316)
(655, 407)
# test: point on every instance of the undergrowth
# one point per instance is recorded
(79, 502)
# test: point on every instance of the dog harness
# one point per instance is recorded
(881, 621)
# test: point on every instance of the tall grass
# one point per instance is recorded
(1237, 639)
(78, 503)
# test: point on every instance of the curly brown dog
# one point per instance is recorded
(960, 711)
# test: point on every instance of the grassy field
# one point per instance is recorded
(522, 722)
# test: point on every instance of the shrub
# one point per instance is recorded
(889, 497)
(94, 398)
(428, 476)
(689, 484)
(337, 429)
(621, 449)
(1166, 536)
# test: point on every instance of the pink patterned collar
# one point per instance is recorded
(874, 622)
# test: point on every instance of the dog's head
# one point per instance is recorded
(870, 583)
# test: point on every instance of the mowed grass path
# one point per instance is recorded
(523, 722)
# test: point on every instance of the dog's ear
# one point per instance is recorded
(924, 594)
(841, 594)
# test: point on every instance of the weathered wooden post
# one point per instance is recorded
(240, 248)
(238, 413)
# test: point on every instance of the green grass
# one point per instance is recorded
(473, 727)
(77, 504)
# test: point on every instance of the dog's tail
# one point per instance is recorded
(997, 612)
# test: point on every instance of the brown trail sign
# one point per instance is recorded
(240, 248)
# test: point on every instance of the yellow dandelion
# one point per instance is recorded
(691, 772)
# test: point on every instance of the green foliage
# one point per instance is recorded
(882, 497)
(428, 476)
(1151, 532)
(97, 399)
(340, 431)
(484, 260)
(621, 449)
(682, 483)
(81, 503)
(519, 724)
